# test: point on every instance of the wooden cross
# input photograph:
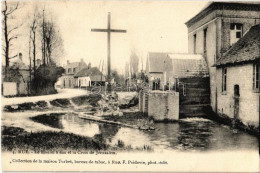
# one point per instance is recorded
(108, 30)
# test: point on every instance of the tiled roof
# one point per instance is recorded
(93, 73)
(188, 65)
(244, 50)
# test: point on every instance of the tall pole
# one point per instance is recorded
(108, 30)
(43, 34)
(108, 54)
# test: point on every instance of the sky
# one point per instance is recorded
(152, 26)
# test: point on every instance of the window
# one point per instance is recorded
(74, 69)
(194, 43)
(224, 79)
(69, 70)
(256, 77)
(205, 41)
(236, 32)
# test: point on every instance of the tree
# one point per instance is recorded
(134, 61)
(52, 43)
(118, 78)
(89, 65)
(9, 36)
(33, 32)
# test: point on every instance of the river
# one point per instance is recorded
(192, 134)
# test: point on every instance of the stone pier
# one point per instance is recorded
(161, 105)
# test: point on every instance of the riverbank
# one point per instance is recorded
(15, 138)
(234, 123)
(62, 94)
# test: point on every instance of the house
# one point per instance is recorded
(72, 68)
(215, 29)
(238, 75)
(89, 77)
(16, 79)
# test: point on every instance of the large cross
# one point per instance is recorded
(108, 30)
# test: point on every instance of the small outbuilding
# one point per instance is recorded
(89, 77)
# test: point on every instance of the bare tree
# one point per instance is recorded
(9, 36)
(30, 59)
(52, 43)
(33, 32)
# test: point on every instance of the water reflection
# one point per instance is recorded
(189, 134)
(73, 124)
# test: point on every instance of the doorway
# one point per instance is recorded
(236, 101)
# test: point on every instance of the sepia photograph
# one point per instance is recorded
(104, 85)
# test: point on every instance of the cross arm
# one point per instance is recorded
(99, 30)
(108, 30)
(118, 30)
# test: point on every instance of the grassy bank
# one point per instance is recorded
(16, 138)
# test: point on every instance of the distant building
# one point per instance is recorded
(158, 69)
(89, 77)
(163, 69)
(238, 76)
(72, 68)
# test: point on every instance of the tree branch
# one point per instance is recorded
(12, 29)
(13, 56)
(12, 10)
(13, 37)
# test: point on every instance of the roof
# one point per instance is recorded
(17, 63)
(75, 64)
(219, 5)
(93, 73)
(245, 49)
(188, 65)
(178, 65)
(158, 61)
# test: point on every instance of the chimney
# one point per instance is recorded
(68, 62)
(20, 56)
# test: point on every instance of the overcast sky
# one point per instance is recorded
(154, 26)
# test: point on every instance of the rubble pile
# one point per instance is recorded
(109, 105)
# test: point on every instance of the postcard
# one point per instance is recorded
(165, 86)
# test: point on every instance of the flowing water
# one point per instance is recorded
(192, 134)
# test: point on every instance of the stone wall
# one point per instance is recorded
(162, 106)
(248, 111)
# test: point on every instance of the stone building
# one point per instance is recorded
(72, 68)
(215, 29)
(238, 70)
